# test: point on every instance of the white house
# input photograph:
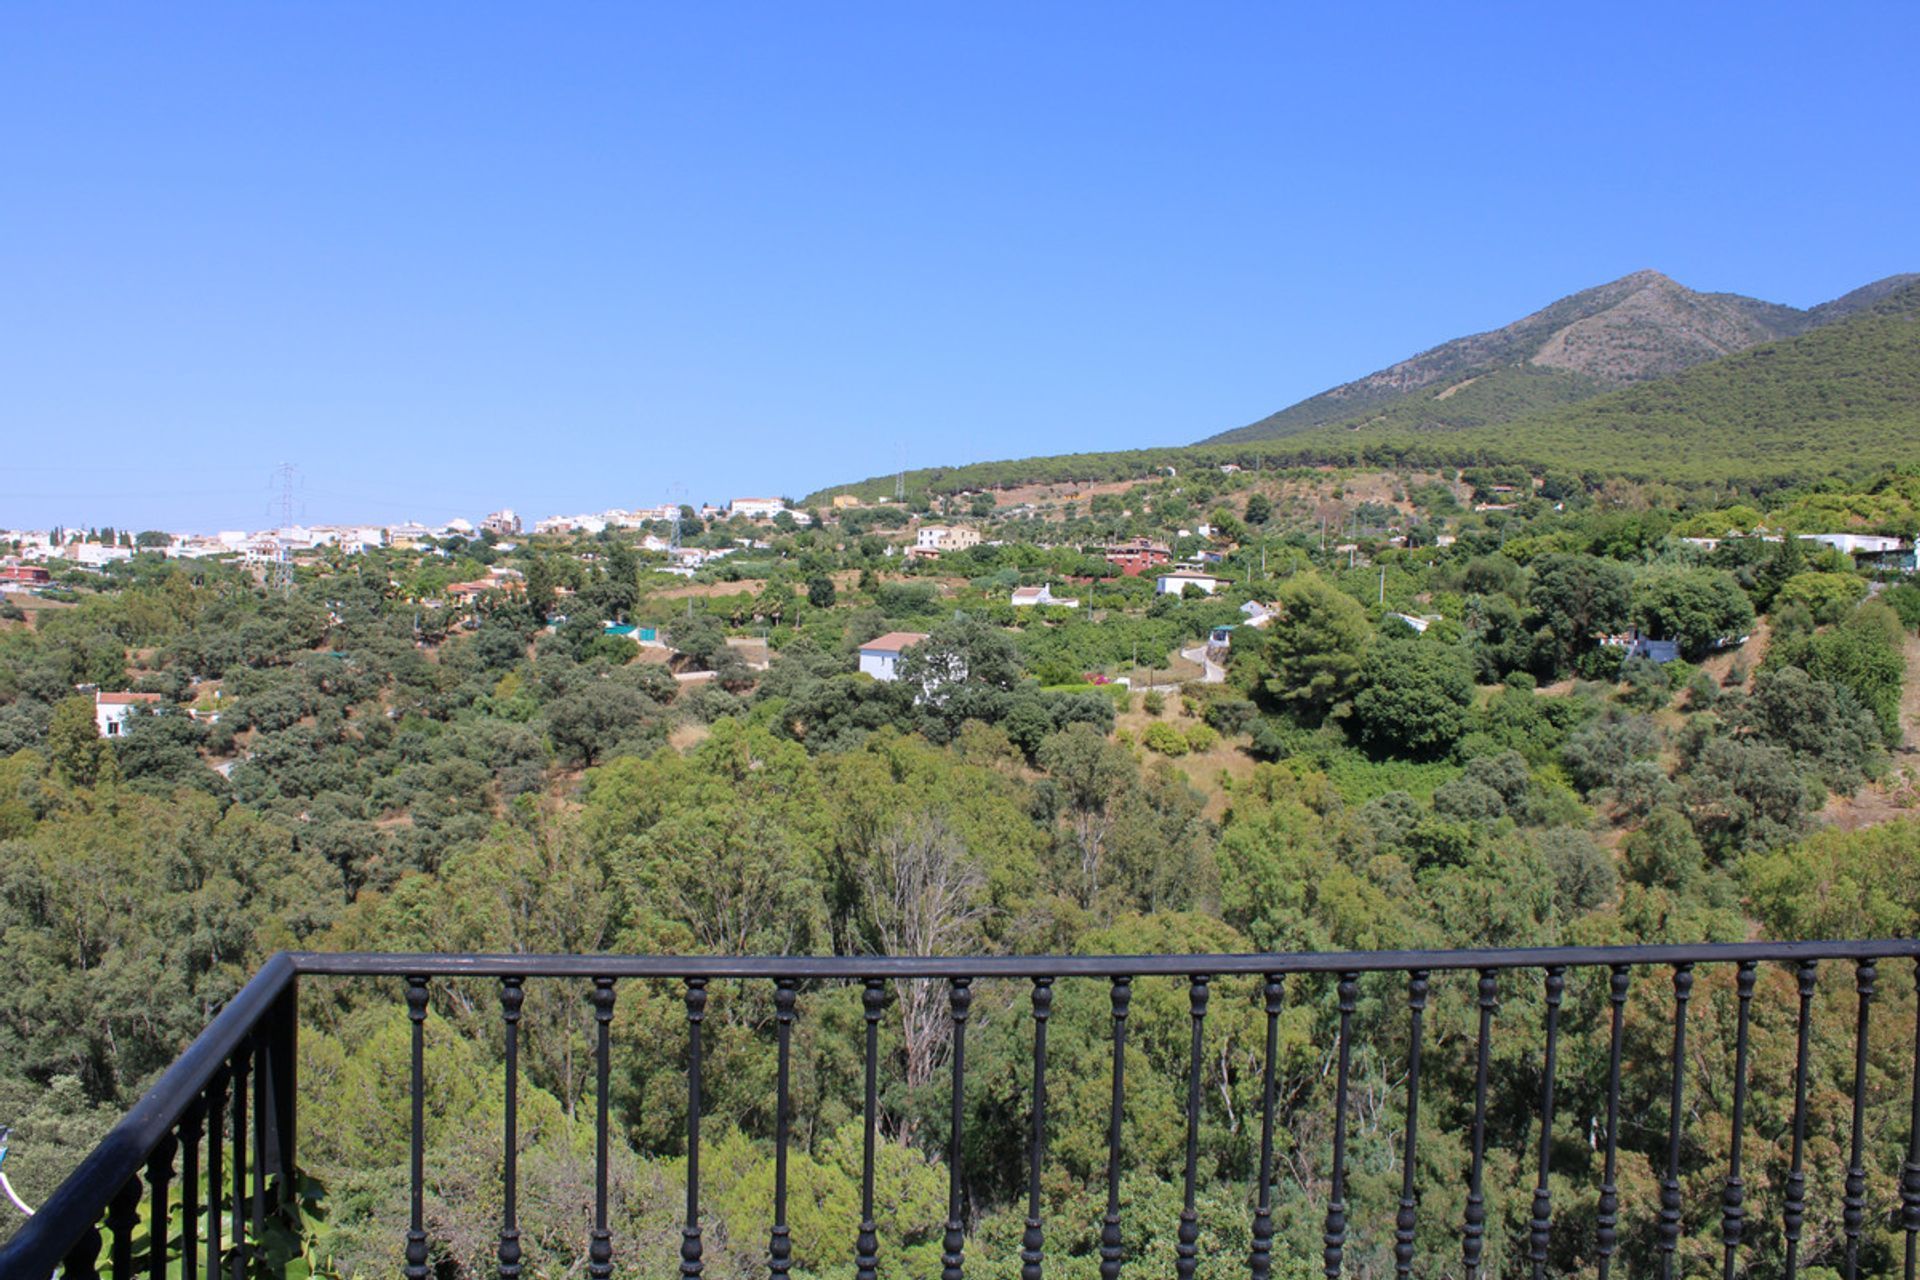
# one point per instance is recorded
(756, 508)
(1176, 583)
(940, 537)
(110, 710)
(880, 656)
(1027, 597)
(1856, 544)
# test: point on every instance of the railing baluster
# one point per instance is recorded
(1111, 1253)
(1910, 1171)
(959, 1000)
(1033, 1238)
(159, 1206)
(1733, 1212)
(123, 1211)
(1473, 1235)
(512, 995)
(1336, 1232)
(866, 1249)
(1261, 1263)
(216, 1124)
(259, 1215)
(690, 1261)
(780, 1248)
(1668, 1230)
(80, 1262)
(192, 1125)
(1407, 1218)
(1795, 1212)
(1540, 1225)
(1606, 1236)
(238, 1262)
(416, 1255)
(600, 1243)
(1854, 1202)
(1186, 1245)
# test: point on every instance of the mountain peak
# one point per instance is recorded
(1642, 326)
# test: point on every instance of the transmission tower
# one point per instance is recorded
(280, 568)
(676, 497)
(900, 481)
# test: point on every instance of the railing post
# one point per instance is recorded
(283, 1089)
(690, 1244)
(1407, 1217)
(512, 996)
(600, 1248)
(1668, 1229)
(416, 1268)
(1260, 1265)
(1473, 1234)
(953, 1242)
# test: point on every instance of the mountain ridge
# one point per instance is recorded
(1639, 328)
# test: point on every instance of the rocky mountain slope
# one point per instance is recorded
(1639, 328)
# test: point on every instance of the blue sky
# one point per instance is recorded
(448, 257)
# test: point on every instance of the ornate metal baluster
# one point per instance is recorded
(1336, 1233)
(80, 1262)
(1795, 1212)
(1405, 1220)
(1261, 1263)
(1540, 1226)
(780, 1249)
(123, 1211)
(866, 1250)
(1033, 1239)
(690, 1265)
(238, 1262)
(1855, 1201)
(1733, 1213)
(1910, 1171)
(216, 1155)
(159, 1206)
(600, 1243)
(959, 1000)
(260, 1103)
(1669, 1224)
(1607, 1236)
(1186, 1246)
(416, 1268)
(1473, 1235)
(192, 1126)
(512, 994)
(1111, 1253)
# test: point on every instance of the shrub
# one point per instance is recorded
(1165, 739)
(1154, 703)
(1201, 737)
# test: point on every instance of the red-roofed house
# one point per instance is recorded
(110, 710)
(880, 656)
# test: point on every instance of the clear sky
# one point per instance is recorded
(448, 257)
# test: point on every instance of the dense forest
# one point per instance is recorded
(1432, 738)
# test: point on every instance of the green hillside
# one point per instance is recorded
(1640, 328)
(1838, 398)
(1841, 399)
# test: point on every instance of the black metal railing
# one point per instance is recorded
(215, 1138)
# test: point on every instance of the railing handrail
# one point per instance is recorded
(44, 1239)
(851, 967)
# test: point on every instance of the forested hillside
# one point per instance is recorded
(389, 770)
(1840, 400)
